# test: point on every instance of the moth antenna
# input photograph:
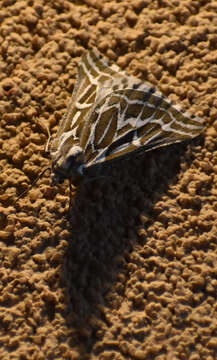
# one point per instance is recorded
(33, 183)
(48, 141)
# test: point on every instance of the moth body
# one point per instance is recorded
(68, 165)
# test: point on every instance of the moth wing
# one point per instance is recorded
(93, 72)
(136, 118)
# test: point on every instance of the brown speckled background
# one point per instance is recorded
(131, 272)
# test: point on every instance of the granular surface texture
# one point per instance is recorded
(130, 271)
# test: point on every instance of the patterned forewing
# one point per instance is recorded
(93, 71)
(135, 119)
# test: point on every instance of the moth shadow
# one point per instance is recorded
(104, 222)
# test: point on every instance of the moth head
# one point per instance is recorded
(69, 165)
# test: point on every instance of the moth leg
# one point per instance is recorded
(106, 177)
(70, 194)
(72, 202)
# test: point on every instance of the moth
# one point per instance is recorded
(113, 115)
